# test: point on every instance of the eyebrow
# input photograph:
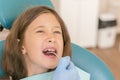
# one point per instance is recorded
(59, 27)
(37, 27)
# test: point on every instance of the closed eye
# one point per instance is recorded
(39, 31)
(57, 32)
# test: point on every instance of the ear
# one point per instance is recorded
(23, 50)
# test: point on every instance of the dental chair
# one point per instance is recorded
(10, 9)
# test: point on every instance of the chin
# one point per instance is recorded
(52, 67)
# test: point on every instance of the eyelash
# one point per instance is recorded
(58, 32)
(40, 31)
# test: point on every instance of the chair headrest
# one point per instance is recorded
(9, 10)
(1, 50)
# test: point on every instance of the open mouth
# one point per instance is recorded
(50, 52)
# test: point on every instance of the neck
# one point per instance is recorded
(34, 71)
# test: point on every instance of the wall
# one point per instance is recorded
(105, 6)
(77, 15)
(112, 6)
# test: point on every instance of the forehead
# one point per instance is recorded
(45, 19)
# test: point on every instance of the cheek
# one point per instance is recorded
(61, 45)
(31, 46)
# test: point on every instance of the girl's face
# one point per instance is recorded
(42, 37)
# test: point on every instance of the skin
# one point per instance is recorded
(43, 33)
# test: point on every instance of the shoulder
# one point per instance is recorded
(43, 76)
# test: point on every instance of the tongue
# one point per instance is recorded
(49, 53)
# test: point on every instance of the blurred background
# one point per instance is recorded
(94, 25)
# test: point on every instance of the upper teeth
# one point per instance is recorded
(49, 50)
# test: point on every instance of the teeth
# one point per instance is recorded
(49, 50)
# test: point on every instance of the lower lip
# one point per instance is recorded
(51, 56)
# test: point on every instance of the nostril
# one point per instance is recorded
(49, 41)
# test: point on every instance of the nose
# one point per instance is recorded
(51, 38)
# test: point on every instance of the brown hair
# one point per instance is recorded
(13, 61)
